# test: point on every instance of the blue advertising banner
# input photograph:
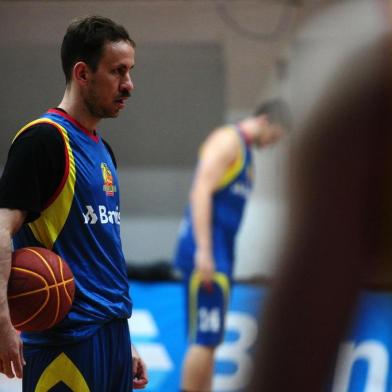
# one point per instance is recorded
(364, 361)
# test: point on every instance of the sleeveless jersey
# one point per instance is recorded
(227, 210)
(81, 223)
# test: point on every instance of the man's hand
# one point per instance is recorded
(205, 265)
(139, 370)
(11, 351)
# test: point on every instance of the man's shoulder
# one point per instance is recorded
(39, 131)
(225, 128)
(224, 142)
(224, 132)
(225, 135)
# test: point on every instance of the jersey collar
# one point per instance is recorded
(63, 113)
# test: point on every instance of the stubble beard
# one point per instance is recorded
(96, 110)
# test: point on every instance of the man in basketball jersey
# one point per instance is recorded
(205, 249)
(59, 190)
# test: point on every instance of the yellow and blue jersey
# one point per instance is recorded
(81, 223)
(228, 205)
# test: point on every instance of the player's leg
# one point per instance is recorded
(206, 310)
(118, 344)
(198, 368)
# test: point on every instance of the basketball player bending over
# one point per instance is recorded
(205, 249)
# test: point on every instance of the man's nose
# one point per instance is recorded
(127, 83)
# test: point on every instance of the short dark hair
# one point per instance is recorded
(277, 111)
(84, 41)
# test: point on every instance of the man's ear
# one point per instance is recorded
(81, 72)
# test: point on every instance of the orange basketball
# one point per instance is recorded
(40, 289)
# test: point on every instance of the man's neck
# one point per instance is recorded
(249, 128)
(76, 109)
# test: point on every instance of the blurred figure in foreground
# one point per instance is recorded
(340, 215)
(205, 249)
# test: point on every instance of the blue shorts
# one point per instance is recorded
(206, 309)
(101, 363)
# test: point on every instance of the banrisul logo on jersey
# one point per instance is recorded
(108, 187)
(101, 215)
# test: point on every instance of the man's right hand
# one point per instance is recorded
(205, 265)
(11, 351)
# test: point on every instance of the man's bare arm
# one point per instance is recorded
(11, 355)
(220, 149)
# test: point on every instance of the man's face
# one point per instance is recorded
(111, 84)
(271, 133)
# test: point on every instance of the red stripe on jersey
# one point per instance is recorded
(90, 134)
